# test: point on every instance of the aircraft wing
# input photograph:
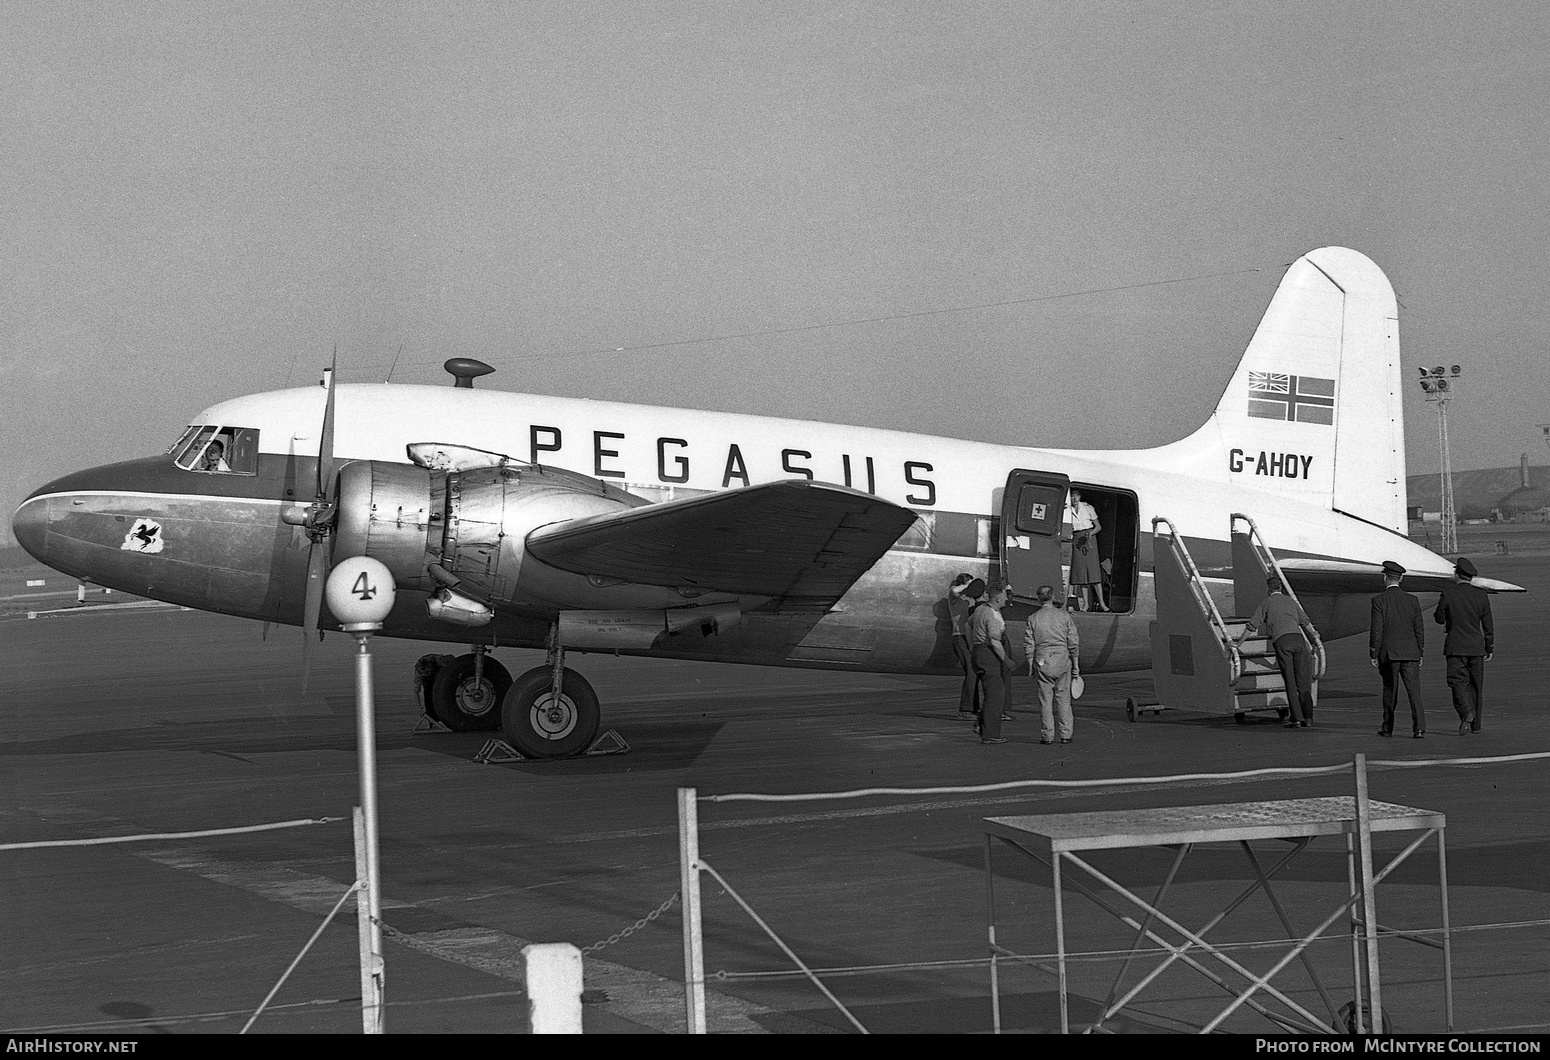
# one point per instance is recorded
(1328, 577)
(801, 543)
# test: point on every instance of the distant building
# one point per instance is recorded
(1522, 500)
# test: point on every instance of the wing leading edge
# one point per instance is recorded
(803, 544)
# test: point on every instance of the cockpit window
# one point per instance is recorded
(217, 450)
(175, 450)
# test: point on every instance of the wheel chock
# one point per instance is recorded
(428, 724)
(496, 751)
(610, 743)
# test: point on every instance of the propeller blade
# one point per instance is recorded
(319, 526)
(312, 606)
(326, 441)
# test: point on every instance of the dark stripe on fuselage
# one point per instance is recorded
(224, 548)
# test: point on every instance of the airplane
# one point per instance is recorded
(521, 521)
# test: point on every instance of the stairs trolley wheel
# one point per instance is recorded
(1134, 707)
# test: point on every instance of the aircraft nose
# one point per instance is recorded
(30, 525)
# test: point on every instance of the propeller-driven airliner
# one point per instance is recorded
(520, 521)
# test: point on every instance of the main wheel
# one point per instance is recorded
(1130, 707)
(1242, 717)
(541, 726)
(466, 705)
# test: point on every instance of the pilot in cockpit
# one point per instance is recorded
(214, 458)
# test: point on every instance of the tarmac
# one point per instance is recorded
(152, 720)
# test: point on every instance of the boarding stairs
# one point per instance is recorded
(1197, 662)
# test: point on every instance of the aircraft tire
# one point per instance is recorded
(463, 706)
(540, 728)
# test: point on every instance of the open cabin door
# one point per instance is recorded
(1032, 510)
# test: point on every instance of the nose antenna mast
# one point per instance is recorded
(465, 370)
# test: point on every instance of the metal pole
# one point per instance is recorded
(1060, 941)
(990, 924)
(689, 881)
(1358, 1020)
(1450, 533)
(363, 924)
(373, 1012)
(1447, 929)
(1369, 899)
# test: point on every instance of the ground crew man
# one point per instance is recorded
(987, 632)
(1052, 646)
(1465, 612)
(1396, 641)
(959, 604)
(1282, 619)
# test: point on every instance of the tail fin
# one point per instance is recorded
(1314, 411)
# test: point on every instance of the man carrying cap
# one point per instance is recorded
(1283, 621)
(1053, 646)
(1396, 641)
(1465, 612)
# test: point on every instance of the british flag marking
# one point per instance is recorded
(1298, 398)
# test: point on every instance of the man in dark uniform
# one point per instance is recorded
(1465, 612)
(1283, 621)
(1396, 642)
(959, 604)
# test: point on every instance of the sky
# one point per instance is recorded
(1050, 224)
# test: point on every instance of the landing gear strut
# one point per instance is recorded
(550, 711)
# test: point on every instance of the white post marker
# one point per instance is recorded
(554, 981)
(360, 593)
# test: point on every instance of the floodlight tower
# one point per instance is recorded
(1441, 386)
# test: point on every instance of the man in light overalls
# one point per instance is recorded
(1052, 646)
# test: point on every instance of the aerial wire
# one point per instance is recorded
(885, 318)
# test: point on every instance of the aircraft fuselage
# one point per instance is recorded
(217, 541)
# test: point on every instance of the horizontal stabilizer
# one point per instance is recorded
(1329, 577)
(803, 544)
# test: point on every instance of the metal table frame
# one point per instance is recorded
(1054, 839)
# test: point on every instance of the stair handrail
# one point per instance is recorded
(1257, 542)
(1203, 598)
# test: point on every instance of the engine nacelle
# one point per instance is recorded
(386, 511)
(461, 525)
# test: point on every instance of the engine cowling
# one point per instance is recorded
(464, 530)
(387, 511)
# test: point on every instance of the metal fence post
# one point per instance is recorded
(694, 938)
(1369, 899)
